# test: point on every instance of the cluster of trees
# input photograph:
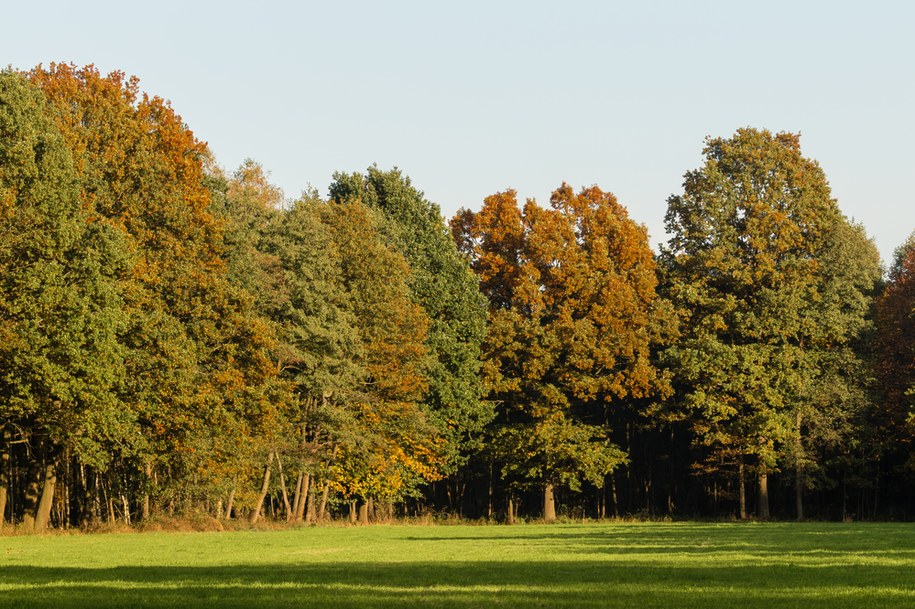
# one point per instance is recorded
(175, 340)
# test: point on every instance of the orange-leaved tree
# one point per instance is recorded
(572, 319)
(196, 360)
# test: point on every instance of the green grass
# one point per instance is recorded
(644, 565)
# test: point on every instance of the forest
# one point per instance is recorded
(179, 341)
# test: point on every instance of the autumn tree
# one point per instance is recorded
(60, 312)
(772, 285)
(892, 421)
(394, 446)
(442, 283)
(195, 357)
(571, 322)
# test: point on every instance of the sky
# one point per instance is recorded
(471, 98)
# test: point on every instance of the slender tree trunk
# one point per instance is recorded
(279, 465)
(799, 492)
(43, 515)
(310, 508)
(352, 512)
(297, 498)
(256, 514)
(126, 505)
(742, 491)
(616, 503)
(549, 503)
(798, 468)
(844, 499)
(364, 513)
(324, 493)
(511, 510)
(4, 474)
(230, 502)
(876, 491)
(300, 509)
(109, 502)
(145, 512)
(30, 499)
(764, 496)
(489, 495)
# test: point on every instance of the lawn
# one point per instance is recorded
(641, 565)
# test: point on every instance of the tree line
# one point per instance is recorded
(178, 341)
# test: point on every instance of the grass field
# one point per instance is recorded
(621, 565)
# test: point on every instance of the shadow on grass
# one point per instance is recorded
(562, 584)
(760, 540)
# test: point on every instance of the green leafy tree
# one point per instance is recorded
(442, 283)
(396, 446)
(59, 307)
(196, 359)
(772, 285)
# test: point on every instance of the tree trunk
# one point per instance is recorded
(310, 506)
(323, 507)
(352, 512)
(297, 498)
(303, 498)
(799, 492)
(125, 504)
(30, 498)
(230, 502)
(743, 491)
(489, 495)
(364, 513)
(798, 468)
(549, 503)
(4, 475)
(279, 465)
(43, 515)
(109, 502)
(764, 496)
(511, 510)
(145, 512)
(616, 503)
(256, 514)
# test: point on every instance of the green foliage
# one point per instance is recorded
(442, 283)
(772, 285)
(60, 313)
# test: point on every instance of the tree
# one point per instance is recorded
(892, 420)
(571, 323)
(772, 285)
(442, 283)
(196, 358)
(392, 447)
(59, 308)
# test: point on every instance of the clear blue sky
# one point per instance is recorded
(470, 98)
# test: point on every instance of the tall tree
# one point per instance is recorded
(772, 286)
(59, 308)
(396, 447)
(442, 283)
(572, 319)
(195, 358)
(894, 415)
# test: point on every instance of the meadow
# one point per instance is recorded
(642, 565)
